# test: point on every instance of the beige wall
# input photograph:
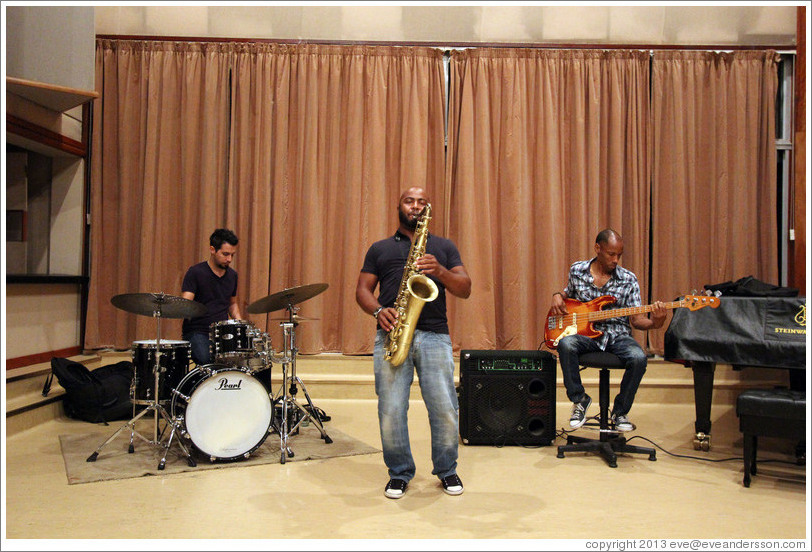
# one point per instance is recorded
(685, 25)
(53, 45)
(41, 318)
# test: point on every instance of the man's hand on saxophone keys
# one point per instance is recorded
(387, 317)
(427, 264)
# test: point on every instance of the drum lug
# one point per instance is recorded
(181, 395)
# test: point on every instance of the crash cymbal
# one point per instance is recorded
(169, 306)
(285, 298)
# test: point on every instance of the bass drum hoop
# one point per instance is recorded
(207, 373)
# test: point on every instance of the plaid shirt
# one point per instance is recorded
(622, 285)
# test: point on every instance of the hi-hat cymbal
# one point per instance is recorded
(295, 318)
(286, 298)
(169, 306)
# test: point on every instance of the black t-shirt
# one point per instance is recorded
(387, 258)
(213, 291)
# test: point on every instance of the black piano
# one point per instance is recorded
(744, 332)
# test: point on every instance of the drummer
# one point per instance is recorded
(214, 284)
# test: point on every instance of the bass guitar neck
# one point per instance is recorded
(581, 317)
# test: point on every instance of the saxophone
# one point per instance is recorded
(415, 291)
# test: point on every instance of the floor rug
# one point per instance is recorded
(115, 462)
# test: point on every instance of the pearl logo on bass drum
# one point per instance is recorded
(223, 385)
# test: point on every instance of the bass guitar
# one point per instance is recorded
(580, 317)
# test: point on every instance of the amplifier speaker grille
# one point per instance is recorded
(507, 398)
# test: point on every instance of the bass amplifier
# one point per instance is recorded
(507, 397)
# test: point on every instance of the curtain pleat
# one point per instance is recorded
(714, 171)
(546, 148)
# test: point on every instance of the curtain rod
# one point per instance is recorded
(783, 48)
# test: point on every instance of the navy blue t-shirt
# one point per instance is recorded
(387, 258)
(213, 291)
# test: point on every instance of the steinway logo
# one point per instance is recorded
(800, 320)
(225, 386)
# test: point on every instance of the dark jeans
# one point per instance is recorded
(625, 347)
(199, 343)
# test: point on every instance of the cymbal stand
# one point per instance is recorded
(158, 410)
(287, 396)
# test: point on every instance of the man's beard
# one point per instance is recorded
(411, 224)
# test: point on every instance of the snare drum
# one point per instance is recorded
(174, 366)
(224, 411)
(231, 339)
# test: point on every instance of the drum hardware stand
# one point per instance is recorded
(288, 395)
(130, 302)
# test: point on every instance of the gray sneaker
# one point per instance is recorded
(622, 423)
(579, 409)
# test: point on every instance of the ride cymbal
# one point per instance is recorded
(286, 298)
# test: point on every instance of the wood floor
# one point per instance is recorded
(510, 493)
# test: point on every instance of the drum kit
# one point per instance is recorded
(220, 409)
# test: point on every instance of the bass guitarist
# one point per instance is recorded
(589, 280)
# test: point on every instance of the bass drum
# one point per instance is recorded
(225, 411)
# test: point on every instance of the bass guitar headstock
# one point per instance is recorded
(696, 302)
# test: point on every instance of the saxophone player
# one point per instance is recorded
(429, 352)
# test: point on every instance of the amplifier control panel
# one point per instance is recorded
(509, 361)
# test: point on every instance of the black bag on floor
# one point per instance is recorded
(98, 395)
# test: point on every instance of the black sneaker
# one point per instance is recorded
(396, 488)
(622, 423)
(579, 409)
(452, 484)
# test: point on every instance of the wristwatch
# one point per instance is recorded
(377, 312)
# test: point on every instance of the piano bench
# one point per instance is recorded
(769, 413)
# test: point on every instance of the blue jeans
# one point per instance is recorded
(430, 355)
(199, 344)
(625, 347)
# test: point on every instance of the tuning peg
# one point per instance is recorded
(693, 291)
(717, 293)
(708, 292)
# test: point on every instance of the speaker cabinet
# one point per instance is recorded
(507, 397)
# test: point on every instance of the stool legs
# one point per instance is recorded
(610, 444)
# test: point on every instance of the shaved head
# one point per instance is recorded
(607, 234)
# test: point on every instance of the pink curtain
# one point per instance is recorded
(714, 171)
(545, 149)
(301, 150)
(159, 165)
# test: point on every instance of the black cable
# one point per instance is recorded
(739, 458)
